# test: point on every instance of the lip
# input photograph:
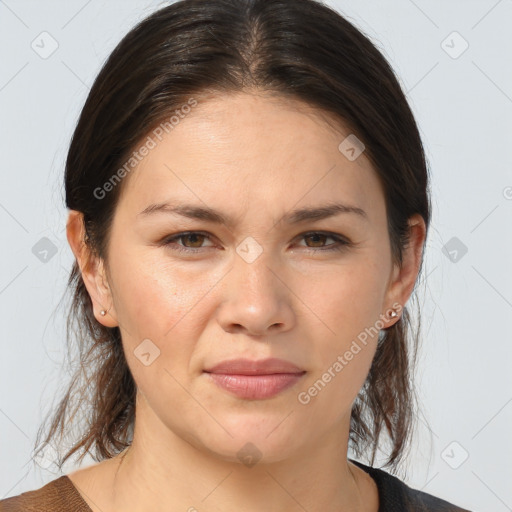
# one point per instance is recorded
(250, 367)
(255, 380)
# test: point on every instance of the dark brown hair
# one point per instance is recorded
(299, 49)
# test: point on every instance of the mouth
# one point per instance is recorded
(255, 380)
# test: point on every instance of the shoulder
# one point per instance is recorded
(396, 495)
(56, 496)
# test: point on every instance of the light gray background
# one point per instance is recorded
(463, 104)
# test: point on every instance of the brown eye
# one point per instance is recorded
(317, 238)
(191, 241)
(317, 241)
(196, 240)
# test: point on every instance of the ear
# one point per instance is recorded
(93, 270)
(402, 280)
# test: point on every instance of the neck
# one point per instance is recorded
(153, 474)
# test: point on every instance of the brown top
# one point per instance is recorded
(59, 495)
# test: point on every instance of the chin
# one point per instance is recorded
(251, 452)
(255, 440)
(247, 439)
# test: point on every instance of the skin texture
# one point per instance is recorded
(255, 158)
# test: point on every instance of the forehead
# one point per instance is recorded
(252, 151)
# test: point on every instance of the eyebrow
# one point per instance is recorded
(214, 216)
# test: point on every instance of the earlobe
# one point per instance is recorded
(92, 269)
(392, 315)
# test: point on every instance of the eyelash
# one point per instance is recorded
(340, 244)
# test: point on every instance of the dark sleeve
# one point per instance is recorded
(423, 502)
(396, 496)
(419, 501)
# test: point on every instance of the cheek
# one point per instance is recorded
(155, 297)
(347, 299)
(347, 303)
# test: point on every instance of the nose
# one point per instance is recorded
(256, 299)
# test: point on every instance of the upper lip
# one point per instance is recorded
(251, 367)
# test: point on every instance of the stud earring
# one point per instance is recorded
(103, 312)
(393, 314)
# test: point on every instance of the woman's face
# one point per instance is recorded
(261, 286)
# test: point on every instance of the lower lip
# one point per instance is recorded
(255, 387)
